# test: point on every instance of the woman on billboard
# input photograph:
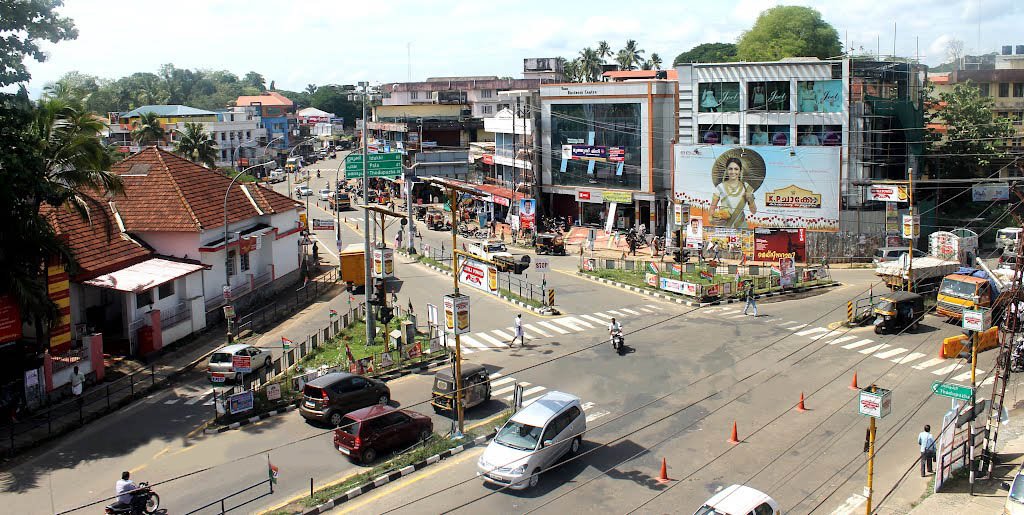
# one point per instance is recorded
(734, 188)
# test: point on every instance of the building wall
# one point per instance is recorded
(410, 111)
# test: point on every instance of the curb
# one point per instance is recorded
(396, 474)
(677, 300)
(252, 420)
(539, 311)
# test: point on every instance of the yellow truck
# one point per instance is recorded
(969, 288)
(353, 266)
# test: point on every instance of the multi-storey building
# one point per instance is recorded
(478, 95)
(276, 113)
(169, 116)
(1005, 85)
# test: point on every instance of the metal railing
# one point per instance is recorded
(73, 413)
(287, 304)
(220, 505)
(521, 287)
(180, 313)
(440, 254)
(69, 358)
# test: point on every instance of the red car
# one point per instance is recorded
(365, 433)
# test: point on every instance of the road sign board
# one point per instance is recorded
(377, 165)
(241, 364)
(541, 264)
(952, 390)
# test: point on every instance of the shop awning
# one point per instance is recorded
(145, 275)
(498, 191)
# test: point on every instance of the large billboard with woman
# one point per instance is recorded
(760, 187)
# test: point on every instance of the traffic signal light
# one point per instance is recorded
(386, 315)
(379, 297)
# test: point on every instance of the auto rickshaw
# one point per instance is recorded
(421, 212)
(437, 221)
(548, 243)
(476, 388)
(897, 311)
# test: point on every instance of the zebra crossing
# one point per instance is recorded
(503, 388)
(499, 339)
(186, 395)
(885, 351)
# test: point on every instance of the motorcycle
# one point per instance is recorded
(618, 342)
(144, 500)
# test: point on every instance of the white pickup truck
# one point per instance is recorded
(497, 252)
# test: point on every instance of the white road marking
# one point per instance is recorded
(577, 321)
(947, 369)
(503, 390)
(826, 335)
(537, 330)
(568, 324)
(795, 327)
(533, 391)
(856, 344)
(630, 311)
(990, 380)
(616, 313)
(963, 377)
(654, 307)
(193, 400)
(501, 381)
(890, 353)
(490, 339)
(851, 505)
(871, 350)
(645, 310)
(741, 315)
(596, 415)
(841, 339)
(813, 330)
(172, 401)
(466, 339)
(602, 315)
(787, 322)
(553, 327)
(586, 405)
(502, 334)
(594, 319)
(928, 364)
(465, 350)
(913, 356)
(494, 375)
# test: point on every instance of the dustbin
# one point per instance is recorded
(145, 340)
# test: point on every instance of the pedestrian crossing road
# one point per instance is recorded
(499, 339)
(841, 338)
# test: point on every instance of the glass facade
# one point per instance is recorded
(819, 135)
(820, 96)
(596, 145)
(718, 97)
(768, 96)
(768, 135)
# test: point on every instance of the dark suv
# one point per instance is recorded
(364, 434)
(328, 398)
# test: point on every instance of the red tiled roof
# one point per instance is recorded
(167, 193)
(938, 78)
(640, 74)
(99, 246)
(269, 98)
(497, 191)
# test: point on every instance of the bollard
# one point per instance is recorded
(849, 312)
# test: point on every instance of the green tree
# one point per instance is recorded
(196, 145)
(24, 25)
(973, 133)
(147, 129)
(590, 64)
(707, 53)
(630, 56)
(604, 51)
(789, 31)
(655, 61)
(310, 89)
(255, 80)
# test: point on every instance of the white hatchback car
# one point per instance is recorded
(739, 500)
(222, 360)
(533, 440)
(324, 194)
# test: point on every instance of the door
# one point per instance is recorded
(362, 393)
(396, 431)
(344, 395)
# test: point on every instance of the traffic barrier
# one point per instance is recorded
(734, 439)
(663, 477)
(849, 312)
(954, 345)
(551, 297)
(800, 407)
(853, 384)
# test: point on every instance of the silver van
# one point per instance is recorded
(533, 440)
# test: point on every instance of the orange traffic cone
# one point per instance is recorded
(853, 384)
(942, 351)
(734, 439)
(800, 407)
(663, 477)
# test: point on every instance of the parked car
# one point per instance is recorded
(1008, 238)
(739, 500)
(277, 176)
(325, 194)
(303, 191)
(533, 440)
(883, 254)
(366, 433)
(1015, 497)
(1008, 260)
(328, 398)
(221, 361)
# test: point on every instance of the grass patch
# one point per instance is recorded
(434, 262)
(520, 298)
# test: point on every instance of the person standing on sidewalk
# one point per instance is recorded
(77, 384)
(750, 298)
(927, 443)
(398, 240)
(518, 325)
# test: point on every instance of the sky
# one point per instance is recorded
(343, 42)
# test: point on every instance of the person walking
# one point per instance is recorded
(518, 331)
(632, 242)
(749, 296)
(77, 384)
(927, 443)
(716, 251)
(398, 240)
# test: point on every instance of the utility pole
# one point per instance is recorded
(871, 463)
(910, 245)
(367, 263)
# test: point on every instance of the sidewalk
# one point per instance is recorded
(131, 379)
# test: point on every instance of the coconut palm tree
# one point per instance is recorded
(590, 64)
(604, 51)
(630, 56)
(655, 61)
(147, 129)
(571, 69)
(310, 89)
(196, 145)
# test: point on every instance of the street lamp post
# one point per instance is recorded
(288, 175)
(227, 255)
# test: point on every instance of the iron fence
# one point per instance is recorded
(438, 254)
(69, 358)
(180, 313)
(220, 506)
(521, 287)
(305, 294)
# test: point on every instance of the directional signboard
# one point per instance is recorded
(377, 165)
(951, 390)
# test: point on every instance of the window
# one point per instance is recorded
(983, 88)
(414, 95)
(222, 136)
(487, 93)
(223, 154)
(487, 109)
(248, 134)
(1018, 89)
(603, 125)
(243, 262)
(165, 290)
(718, 97)
(143, 299)
(1004, 89)
(764, 509)
(768, 96)
(819, 135)
(822, 96)
(768, 135)
(720, 134)
(231, 263)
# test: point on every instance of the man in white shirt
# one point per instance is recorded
(123, 489)
(519, 331)
(614, 328)
(927, 443)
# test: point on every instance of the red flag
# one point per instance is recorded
(286, 343)
(348, 354)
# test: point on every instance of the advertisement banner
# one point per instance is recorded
(59, 291)
(241, 364)
(593, 153)
(323, 224)
(478, 274)
(677, 286)
(456, 314)
(677, 213)
(527, 212)
(766, 187)
(10, 319)
(787, 272)
(911, 226)
(892, 218)
(990, 192)
(820, 96)
(383, 263)
(717, 97)
(240, 402)
(622, 197)
(887, 193)
(694, 232)
(775, 244)
(589, 196)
